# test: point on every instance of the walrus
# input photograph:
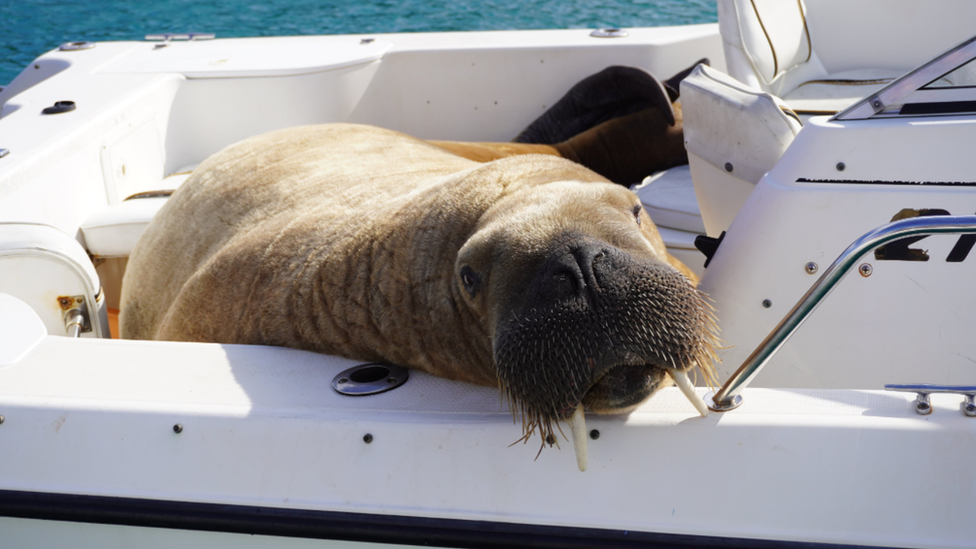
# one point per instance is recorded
(621, 122)
(624, 150)
(529, 273)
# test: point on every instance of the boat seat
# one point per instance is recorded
(768, 46)
(669, 199)
(835, 92)
(733, 134)
(114, 230)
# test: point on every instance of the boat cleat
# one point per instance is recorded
(923, 405)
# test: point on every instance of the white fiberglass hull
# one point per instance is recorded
(265, 445)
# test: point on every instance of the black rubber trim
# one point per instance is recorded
(883, 182)
(949, 107)
(393, 529)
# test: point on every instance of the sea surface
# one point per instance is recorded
(29, 28)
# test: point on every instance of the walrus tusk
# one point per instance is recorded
(684, 383)
(578, 424)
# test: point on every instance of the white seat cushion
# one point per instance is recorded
(734, 134)
(669, 199)
(838, 91)
(114, 230)
(729, 123)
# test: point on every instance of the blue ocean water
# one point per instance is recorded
(28, 28)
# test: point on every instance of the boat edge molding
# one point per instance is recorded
(358, 527)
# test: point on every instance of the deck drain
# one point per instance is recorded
(76, 46)
(609, 33)
(59, 107)
(369, 379)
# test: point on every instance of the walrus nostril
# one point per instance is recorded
(562, 284)
(569, 271)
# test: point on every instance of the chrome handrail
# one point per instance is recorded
(728, 397)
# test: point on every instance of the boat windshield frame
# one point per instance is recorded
(919, 93)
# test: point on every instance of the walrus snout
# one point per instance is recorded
(598, 325)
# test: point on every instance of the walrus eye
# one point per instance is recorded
(469, 280)
(637, 212)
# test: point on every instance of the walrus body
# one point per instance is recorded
(621, 123)
(624, 150)
(530, 273)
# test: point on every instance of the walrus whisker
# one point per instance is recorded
(531, 420)
(523, 439)
(559, 427)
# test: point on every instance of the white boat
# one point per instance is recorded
(117, 443)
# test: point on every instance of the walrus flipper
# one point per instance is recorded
(611, 93)
(673, 84)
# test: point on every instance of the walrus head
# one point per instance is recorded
(581, 302)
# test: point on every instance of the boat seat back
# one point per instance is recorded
(51, 272)
(768, 45)
(767, 42)
(734, 134)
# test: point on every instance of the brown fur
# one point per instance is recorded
(349, 240)
(486, 151)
